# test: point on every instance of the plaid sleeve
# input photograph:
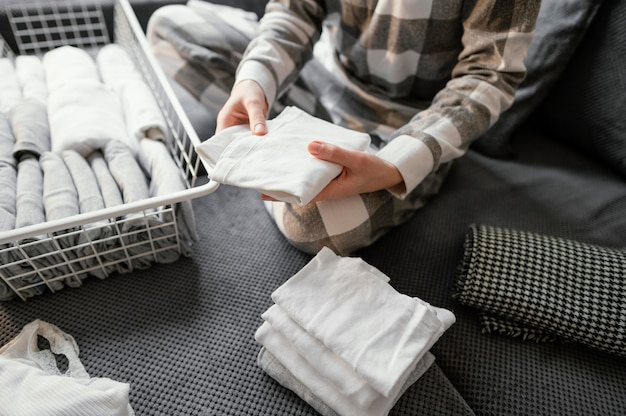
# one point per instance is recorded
(287, 33)
(495, 40)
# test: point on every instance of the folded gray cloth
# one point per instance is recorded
(139, 230)
(166, 179)
(541, 287)
(29, 121)
(97, 237)
(60, 200)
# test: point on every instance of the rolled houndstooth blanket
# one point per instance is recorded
(544, 288)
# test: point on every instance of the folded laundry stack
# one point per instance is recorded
(344, 340)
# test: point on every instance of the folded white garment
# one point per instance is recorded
(278, 163)
(379, 332)
(307, 377)
(328, 364)
(67, 65)
(35, 385)
(10, 91)
(31, 77)
(84, 116)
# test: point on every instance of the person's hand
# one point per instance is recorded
(247, 104)
(362, 172)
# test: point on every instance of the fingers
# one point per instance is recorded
(246, 105)
(332, 153)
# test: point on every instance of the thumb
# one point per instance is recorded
(257, 123)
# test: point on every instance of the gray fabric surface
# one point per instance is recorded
(560, 26)
(182, 334)
(586, 107)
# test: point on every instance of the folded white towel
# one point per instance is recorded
(67, 65)
(379, 332)
(32, 77)
(10, 91)
(85, 116)
(320, 387)
(278, 163)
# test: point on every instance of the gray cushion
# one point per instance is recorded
(586, 107)
(560, 26)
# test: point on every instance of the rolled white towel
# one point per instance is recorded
(31, 77)
(141, 110)
(68, 65)
(116, 67)
(10, 91)
(84, 116)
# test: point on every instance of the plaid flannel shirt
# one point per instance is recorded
(456, 64)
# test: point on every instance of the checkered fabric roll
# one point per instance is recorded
(542, 288)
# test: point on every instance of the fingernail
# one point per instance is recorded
(259, 128)
(315, 148)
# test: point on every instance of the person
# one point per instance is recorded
(424, 78)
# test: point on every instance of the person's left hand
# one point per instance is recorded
(362, 172)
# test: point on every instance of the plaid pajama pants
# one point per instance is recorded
(199, 47)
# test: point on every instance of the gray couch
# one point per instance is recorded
(555, 164)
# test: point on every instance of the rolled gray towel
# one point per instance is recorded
(98, 236)
(138, 229)
(165, 179)
(8, 180)
(29, 121)
(60, 199)
(40, 251)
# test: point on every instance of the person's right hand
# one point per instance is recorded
(246, 105)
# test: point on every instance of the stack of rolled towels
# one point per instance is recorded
(78, 134)
(343, 339)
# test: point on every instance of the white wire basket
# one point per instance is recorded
(49, 256)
